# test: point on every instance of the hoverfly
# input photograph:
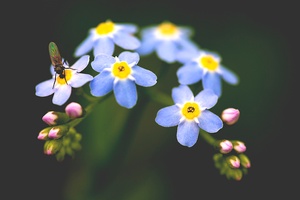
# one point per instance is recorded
(57, 62)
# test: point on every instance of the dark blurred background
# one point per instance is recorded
(257, 40)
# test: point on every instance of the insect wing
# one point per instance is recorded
(54, 54)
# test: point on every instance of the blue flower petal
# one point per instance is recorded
(129, 28)
(126, 41)
(189, 74)
(143, 77)
(85, 46)
(79, 79)
(62, 94)
(187, 133)
(129, 57)
(44, 88)
(229, 76)
(102, 84)
(181, 94)
(81, 63)
(52, 70)
(210, 122)
(147, 46)
(125, 93)
(148, 32)
(104, 45)
(186, 31)
(186, 55)
(168, 116)
(166, 51)
(212, 81)
(186, 44)
(206, 99)
(102, 61)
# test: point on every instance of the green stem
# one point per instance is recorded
(207, 137)
(88, 109)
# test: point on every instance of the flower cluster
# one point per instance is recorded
(120, 74)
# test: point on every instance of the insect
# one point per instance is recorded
(57, 62)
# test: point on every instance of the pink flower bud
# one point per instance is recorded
(74, 110)
(225, 146)
(51, 147)
(234, 162)
(230, 115)
(58, 131)
(245, 161)
(50, 118)
(239, 146)
(43, 134)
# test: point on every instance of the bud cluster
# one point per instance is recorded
(60, 136)
(231, 160)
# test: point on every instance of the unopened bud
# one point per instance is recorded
(233, 161)
(230, 115)
(58, 131)
(225, 146)
(43, 134)
(51, 147)
(239, 146)
(74, 110)
(54, 118)
(245, 161)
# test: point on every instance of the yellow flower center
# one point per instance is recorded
(64, 77)
(209, 62)
(121, 70)
(167, 28)
(191, 110)
(105, 27)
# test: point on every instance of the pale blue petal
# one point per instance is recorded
(210, 122)
(52, 70)
(126, 41)
(166, 51)
(187, 44)
(129, 57)
(44, 88)
(187, 133)
(168, 116)
(104, 45)
(85, 46)
(125, 93)
(189, 74)
(82, 63)
(129, 28)
(147, 46)
(212, 81)
(102, 84)
(181, 94)
(186, 56)
(206, 99)
(229, 76)
(148, 32)
(62, 94)
(79, 79)
(102, 61)
(143, 77)
(186, 31)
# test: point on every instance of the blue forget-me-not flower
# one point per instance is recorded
(62, 87)
(190, 114)
(102, 39)
(166, 40)
(120, 74)
(206, 66)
